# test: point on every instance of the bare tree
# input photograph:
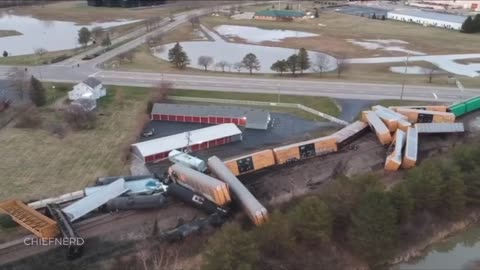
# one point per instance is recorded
(321, 63)
(430, 72)
(223, 65)
(205, 61)
(97, 32)
(194, 20)
(341, 65)
(237, 66)
(40, 51)
(80, 118)
(19, 80)
(128, 56)
(160, 93)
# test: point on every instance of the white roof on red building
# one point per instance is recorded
(180, 140)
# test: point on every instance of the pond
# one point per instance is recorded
(257, 35)
(220, 50)
(49, 35)
(461, 251)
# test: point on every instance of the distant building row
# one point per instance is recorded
(426, 18)
(446, 4)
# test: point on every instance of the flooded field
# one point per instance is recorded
(220, 50)
(49, 35)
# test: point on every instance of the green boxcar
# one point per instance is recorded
(472, 104)
(458, 109)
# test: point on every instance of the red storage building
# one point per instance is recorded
(210, 114)
(157, 149)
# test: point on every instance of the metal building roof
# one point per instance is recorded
(92, 82)
(180, 140)
(280, 13)
(429, 15)
(439, 127)
(254, 116)
(89, 203)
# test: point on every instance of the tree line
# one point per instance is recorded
(358, 214)
(471, 25)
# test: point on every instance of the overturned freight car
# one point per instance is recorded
(411, 148)
(213, 189)
(394, 160)
(377, 125)
(421, 116)
(252, 207)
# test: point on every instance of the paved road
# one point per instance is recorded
(369, 91)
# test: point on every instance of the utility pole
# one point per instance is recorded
(188, 136)
(404, 77)
(278, 93)
(461, 88)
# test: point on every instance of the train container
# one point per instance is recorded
(403, 125)
(197, 200)
(394, 160)
(350, 132)
(251, 162)
(187, 160)
(213, 189)
(304, 150)
(458, 109)
(136, 202)
(389, 117)
(411, 148)
(32, 220)
(436, 108)
(377, 125)
(110, 179)
(420, 116)
(472, 104)
(257, 213)
(69, 197)
(439, 127)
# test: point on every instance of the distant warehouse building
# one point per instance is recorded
(279, 15)
(125, 3)
(426, 18)
(157, 149)
(209, 114)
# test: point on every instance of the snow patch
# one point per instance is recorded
(383, 44)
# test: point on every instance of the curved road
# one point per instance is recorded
(68, 71)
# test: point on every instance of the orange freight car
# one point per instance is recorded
(252, 162)
(394, 160)
(436, 108)
(306, 149)
(421, 116)
(411, 148)
(381, 130)
(348, 133)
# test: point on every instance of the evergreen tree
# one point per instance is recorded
(468, 25)
(231, 249)
(303, 60)
(5, 53)
(292, 62)
(178, 57)
(403, 202)
(374, 16)
(37, 92)
(250, 61)
(424, 184)
(316, 13)
(374, 231)
(279, 66)
(106, 42)
(311, 220)
(476, 23)
(84, 36)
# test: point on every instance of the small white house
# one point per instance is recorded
(91, 88)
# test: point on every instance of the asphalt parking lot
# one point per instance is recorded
(286, 129)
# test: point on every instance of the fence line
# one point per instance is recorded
(262, 103)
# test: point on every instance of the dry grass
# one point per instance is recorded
(7, 33)
(80, 12)
(339, 27)
(36, 164)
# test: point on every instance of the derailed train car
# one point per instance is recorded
(197, 200)
(213, 189)
(251, 162)
(252, 207)
(350, 132)
(135, 202)
(421, 116)
(304, 150)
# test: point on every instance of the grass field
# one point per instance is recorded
(7, 33)
(36, 164)
(80, 12)
(322, 104)
(339, 27)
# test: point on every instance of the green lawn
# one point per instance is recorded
(322, 104)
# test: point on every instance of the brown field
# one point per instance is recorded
(339, 27)
(80, 12)
(35, 164)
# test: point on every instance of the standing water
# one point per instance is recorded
(461, 251)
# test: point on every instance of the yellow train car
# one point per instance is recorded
(304, 150)
(436, 108)
(251, 162)
(350, 132)
(411, 148)
(377, 125)
(421, 116)
(394, 160)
